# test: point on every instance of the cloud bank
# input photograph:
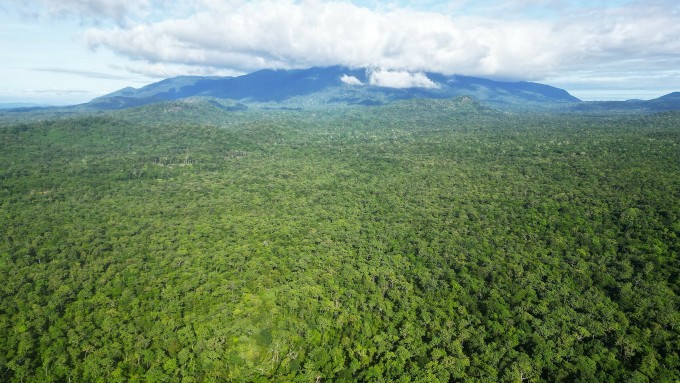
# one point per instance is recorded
(246, 36)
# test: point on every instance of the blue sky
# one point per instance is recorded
(70, 51)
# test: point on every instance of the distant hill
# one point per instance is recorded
(667, 102)
(15, 105)
(337, 86)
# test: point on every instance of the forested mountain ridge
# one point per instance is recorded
(419, 241)
(338, 86)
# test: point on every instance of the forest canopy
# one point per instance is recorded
(432, 241)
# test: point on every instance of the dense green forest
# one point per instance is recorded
(426, 241)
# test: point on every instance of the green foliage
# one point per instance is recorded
(409, 243)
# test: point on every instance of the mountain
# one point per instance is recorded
(337, 86)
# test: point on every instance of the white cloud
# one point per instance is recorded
(246, 36)
(350, 80)
(400, 79)
(284, 34)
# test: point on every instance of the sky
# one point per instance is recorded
(62, 52)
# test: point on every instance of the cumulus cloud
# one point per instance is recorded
(284, 34)
(245, 36)
(350, 80)
(400, 79)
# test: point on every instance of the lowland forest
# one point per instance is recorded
(396, 239)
